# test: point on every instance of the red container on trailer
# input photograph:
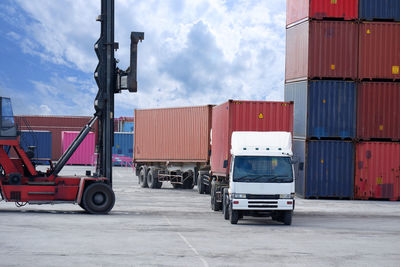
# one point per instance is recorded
(298, 10)
(379, 53)
(84, 155)
(378, 110)
(56, 125)
(377, 171)
(172, 134)
(244, 116)
(321, 49)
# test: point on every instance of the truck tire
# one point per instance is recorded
(200, 185)
(98, 198)
(143, 178)
(187, 180)
(233, 215)
(287, 217)
(215, 205)
(225, 204)
(152, 179)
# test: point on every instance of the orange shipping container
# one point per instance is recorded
(172, 134)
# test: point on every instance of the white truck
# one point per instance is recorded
(261, 177)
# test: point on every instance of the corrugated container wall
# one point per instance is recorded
(321, 49)
(84, 155)
(245, 116)
(56, 125)
(40, 139)
(377, 171)
(379, 54)
(323, 109)
(379, 9)
(378, 110)
(123, 144)
(326, 169)
(297, 10)
(172, 134)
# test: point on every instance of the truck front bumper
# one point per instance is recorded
(263, 204)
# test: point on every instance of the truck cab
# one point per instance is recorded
(261, 177)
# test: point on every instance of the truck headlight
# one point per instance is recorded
(239, 195)
(286, 196)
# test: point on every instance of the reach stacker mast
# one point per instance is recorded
(21, 183)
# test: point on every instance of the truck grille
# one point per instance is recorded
(262, 204)
(250, 196)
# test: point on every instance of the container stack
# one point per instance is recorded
(342, 72)
(377, 172)
(321, 74)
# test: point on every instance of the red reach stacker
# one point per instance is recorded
(21, 183)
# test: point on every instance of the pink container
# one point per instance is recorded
(84, 155)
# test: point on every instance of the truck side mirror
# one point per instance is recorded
(225, 164)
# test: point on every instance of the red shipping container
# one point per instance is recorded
(84, 155)
(379, 54)
(172, 134)
(245, 116)
(56, 125)
(298, 10)
(321, 49)
(377, 171)
(378, 110)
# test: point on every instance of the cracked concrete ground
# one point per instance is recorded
(167, 227)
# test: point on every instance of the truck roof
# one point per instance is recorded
(262, 143)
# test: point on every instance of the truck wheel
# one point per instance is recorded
(188, 180)
(225, 204)
(143, 178)
(207, 189)
(98, 198)
(287, 217)
(233, 215)
(200, 185)
(215, 205)
(152, 179)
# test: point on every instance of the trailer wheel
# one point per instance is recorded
(98, 198)
(188, 182)
(225, 204)
(233, 215)
(215, 206)
(287, 217)
(152, 179)
(143, 178)
(200, 185)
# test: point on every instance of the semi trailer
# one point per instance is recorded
(251, 170)
(171, 145)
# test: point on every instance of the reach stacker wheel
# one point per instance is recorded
(98, 198)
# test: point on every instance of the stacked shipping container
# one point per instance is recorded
(321, 69)
(342, 72)
(377, 165)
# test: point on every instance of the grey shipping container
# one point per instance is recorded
(325, 169)
(323, 108)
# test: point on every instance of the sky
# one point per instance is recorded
(195, 52)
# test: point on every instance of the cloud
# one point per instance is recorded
(194, 52)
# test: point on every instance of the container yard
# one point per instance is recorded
(158, 166)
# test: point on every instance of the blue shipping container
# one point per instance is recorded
(123, 144)
(127, 126)
(379, 10)
(323, 109)
(40, 139)
(325, 169)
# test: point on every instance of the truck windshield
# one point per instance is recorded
(258, 169)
